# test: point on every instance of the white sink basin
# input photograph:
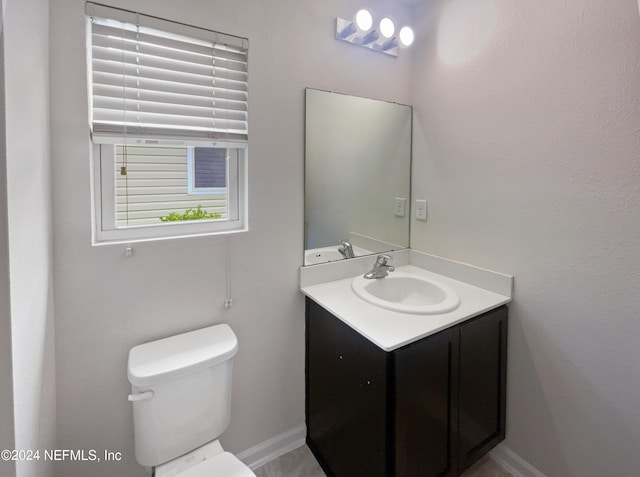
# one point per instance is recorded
(406, 293)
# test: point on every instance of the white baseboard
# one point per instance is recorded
(273, 448)
(513, 463)
(289, 440)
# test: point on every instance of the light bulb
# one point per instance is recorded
(406, 36)
(387, 28)
(364, 20)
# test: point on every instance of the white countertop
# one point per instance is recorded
(391, 330)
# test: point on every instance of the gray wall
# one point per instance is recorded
(7, 431)
(106, 303)
(26, 81)
(526, 148)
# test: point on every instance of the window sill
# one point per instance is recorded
(95, 242)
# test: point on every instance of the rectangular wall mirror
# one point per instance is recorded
(357, 176)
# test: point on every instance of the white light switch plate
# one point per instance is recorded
(421, 209)
(400, 206)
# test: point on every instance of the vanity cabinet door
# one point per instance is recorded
(482, 389)
(426, 377)
(346, 398)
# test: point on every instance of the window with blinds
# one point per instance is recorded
(169, 107)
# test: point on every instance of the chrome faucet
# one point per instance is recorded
(346, 250)
(380, 269)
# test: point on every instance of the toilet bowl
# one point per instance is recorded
(209, 460)
(181, 395)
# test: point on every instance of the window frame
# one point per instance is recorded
(105, 231)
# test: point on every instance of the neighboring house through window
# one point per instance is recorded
(207, 170)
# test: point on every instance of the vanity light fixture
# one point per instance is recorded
(387, 27)
(406, 36)
(360, 31)
(364, 20)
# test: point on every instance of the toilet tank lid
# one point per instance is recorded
(167, 358)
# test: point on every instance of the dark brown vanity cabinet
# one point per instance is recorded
(431, 408)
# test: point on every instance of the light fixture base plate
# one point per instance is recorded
(344, 28)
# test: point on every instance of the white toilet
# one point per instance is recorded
(181, 394)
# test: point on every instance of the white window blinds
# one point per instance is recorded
(154, 78)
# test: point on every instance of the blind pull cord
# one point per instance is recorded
(228, 302)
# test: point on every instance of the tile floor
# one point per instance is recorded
(297, 463)
(301, 463)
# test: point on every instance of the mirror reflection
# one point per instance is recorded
(357, 176)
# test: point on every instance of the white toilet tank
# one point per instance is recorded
(181, 392)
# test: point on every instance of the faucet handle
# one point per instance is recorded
(383, 258)
(346, 249)
(380, 269)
